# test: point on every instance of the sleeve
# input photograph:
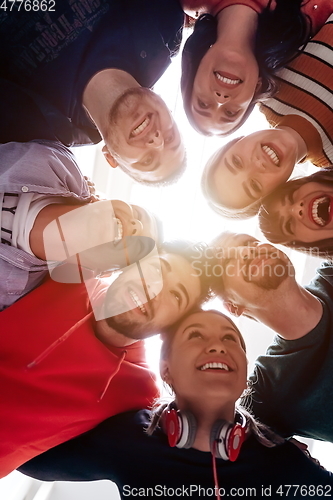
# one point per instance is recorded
(94, 455)
(89, 457)
(44, 167)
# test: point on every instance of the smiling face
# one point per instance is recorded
(206, 362)
(223, 88)
(252, 168)
(250, 272)
(142, 136)
(305, 214)
(143, 301)
(134, 220)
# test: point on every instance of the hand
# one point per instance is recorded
(305, 449)
(91, 185)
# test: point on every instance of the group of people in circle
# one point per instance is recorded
(74, 368)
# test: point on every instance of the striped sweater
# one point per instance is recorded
(305, 98)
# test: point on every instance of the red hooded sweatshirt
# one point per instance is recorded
(57, 380)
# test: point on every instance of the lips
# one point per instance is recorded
(216, 366)
(227, 80)
(321, 210)
(141, 127)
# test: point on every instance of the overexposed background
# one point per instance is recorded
(185, 215)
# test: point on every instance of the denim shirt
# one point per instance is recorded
(42, 167)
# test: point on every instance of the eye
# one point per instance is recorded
(202, 104)
(229, 113)
(195, 334)
(290, 197)
(288, 227)
(255, 186)
(169, 137)
(147, 161)
(156, 268)
(177, 296)
(237, 162)
(251, 243)
(230, 336)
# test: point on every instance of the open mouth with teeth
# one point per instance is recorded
(214, 366)
(272, 154)
(141, 127)
(227, 80)
(320, 210)
(137, 302)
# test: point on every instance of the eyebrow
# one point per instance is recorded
(223, 328)
(200, 325)
(223, 119)
(247, 191)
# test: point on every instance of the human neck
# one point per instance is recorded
(206, 415)
(293, 315)
(236, 28)
(101, 92)
(109, 336)
(302, 149)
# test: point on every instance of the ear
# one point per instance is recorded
(164, 372)
(109, 158)
(234, 309)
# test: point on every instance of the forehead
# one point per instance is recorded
(233, 240)
(207, 319)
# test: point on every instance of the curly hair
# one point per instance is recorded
(269, 220)
(274, 48)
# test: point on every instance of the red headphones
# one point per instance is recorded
(226, 438)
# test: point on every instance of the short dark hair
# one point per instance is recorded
(195, 254)
(273, 50)
(269, 221)
(208, 191)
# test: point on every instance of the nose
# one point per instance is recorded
(297, 209)
(216, 347)
(221, 97)
(259, 165)
(155, 139)
(136, 227)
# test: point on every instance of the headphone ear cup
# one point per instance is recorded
(180, 427)
(188, 429)
(171, 425)
(226, 439)
(218, 439)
